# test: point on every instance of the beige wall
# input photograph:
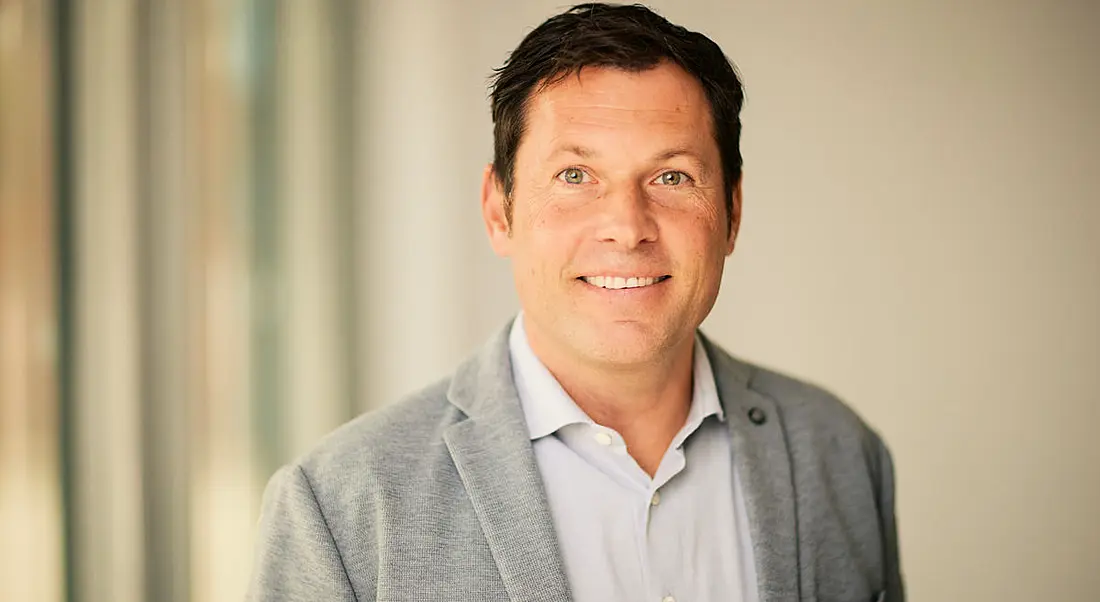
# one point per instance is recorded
(921, 235)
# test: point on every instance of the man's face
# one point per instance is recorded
(618, 232)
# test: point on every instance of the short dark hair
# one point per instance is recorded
(628, 37)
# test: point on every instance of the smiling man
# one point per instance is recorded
(599, 448)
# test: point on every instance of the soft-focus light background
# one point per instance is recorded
(227, 226)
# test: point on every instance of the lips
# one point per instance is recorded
(623, 282)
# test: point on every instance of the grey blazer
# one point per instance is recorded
(438, 497)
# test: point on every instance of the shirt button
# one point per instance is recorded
(656, 499)
(603, 438)
(668, 599)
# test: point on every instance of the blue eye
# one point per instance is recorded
(572, 175)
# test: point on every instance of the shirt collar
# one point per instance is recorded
(704, 394)
(547, 407)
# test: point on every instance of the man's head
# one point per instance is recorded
(626, 37)
(616, 157)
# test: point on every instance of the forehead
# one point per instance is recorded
(660, 106)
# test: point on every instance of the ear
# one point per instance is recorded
(492, 211)
(735, 217)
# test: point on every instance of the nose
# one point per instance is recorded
(627, 218)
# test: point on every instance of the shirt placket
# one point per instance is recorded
(671, 465)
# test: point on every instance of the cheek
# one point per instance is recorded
(698, 211)
(545, 239)
(554, 227)
(698, 227)
(710, 212)
(698, 237)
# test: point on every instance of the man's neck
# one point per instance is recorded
(646, 404)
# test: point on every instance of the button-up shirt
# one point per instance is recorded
(679, 536)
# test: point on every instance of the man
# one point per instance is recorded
(599, 448)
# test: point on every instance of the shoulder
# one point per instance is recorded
(323, 509)
(818, 422)
(814, 419)
(381, 448)
(805, 402)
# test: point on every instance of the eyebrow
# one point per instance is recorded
(581, 151)
(585, 152)
(672, 153)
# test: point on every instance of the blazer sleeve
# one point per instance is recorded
(296, 556)
(894, 583)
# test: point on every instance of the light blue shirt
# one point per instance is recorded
(680, 536)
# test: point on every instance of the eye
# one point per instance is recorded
(673, 178)
(572, 175)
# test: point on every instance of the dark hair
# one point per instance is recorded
(628, 37)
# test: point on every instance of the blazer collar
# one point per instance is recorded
(492, 451)
(762, 459)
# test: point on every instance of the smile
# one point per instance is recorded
(619, 282)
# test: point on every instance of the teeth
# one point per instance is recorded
(618, 282)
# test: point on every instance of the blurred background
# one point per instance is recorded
(227, 226)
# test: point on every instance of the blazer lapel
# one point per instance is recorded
(762, 460)
(492, 452)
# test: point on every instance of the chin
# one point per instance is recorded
(623, 344)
